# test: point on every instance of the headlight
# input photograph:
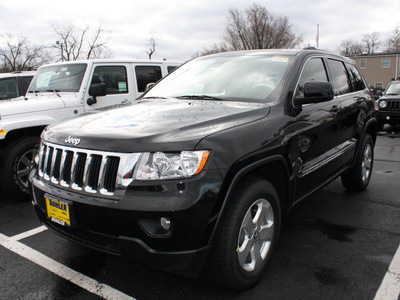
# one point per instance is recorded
(160, 165)
(383, 104)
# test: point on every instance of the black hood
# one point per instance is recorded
(148, 125)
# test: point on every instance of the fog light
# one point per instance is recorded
(165, 223)
(387, 118)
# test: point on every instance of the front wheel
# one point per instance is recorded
(248, 232)
(16, 163)
(358, 177)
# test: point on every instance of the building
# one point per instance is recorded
(378, 69)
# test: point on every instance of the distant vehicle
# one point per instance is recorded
(15, 84)
(388, 106)
(60, 91)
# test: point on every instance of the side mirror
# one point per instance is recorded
(96, 90)
(315, 92)
(149, 86)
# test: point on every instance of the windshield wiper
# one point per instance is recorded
(33, 91)
(54, 91)
(154, 98)
(391, 94)
(199, 97)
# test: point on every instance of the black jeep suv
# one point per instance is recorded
(205, 164)
(388, 106)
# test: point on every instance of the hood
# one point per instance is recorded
(147, 125)
(390, 97)
(32, 103)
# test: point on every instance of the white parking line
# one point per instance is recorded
(28, 233)
(103, 290)
(390, 287)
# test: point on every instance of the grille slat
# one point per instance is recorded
(98, 173)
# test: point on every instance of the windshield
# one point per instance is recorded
(58, 78)
(250, 78)
(393, 89)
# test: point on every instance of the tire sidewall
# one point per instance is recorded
(12, 156)
(247, 196)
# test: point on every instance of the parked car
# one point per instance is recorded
(60, 91)
(203, 167)
(14, 84)
(388, 106)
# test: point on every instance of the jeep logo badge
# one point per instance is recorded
(73, 141)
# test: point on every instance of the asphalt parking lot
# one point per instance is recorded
(334, 245)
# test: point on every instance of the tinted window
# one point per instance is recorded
(171, 68)
(114, 77)
(146, 75)
(356, 79)
(314, 70)
(8, 88)
(341, 81)
(23, 83)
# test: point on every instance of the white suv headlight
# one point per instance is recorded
(161, 166)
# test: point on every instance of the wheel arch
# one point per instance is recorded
(17, 133)
(274, 169)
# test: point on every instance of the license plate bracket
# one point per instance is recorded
(58, 211)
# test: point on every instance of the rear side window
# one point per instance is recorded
(314, 70)
(341, 80)
(171, 68)
(114, 77)
(8, 88)
(356, 78)
(146, 75)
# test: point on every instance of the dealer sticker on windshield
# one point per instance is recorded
(58, 211)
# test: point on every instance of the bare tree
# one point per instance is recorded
(371, 42)
(256, 28)
(350, 47)
(152, 47)
(393, 42)
(80, 43)
(19, 54)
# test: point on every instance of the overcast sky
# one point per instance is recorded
(184, 27)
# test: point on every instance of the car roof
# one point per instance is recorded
(286, 52)
(17, 74)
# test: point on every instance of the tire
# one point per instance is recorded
(357, 178)
(247, 235)
(380, 126)
(15, 164)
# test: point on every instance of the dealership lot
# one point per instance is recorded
(334, 245)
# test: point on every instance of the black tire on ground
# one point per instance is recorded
(15, 164)
(247, 234)
(357, 178)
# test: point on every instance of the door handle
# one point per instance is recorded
(360, 100)
(335, 109)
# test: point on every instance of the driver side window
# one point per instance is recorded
(314, 70)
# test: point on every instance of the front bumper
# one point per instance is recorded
(131, 229)
(388, 117)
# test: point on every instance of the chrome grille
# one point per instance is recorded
(96, 173)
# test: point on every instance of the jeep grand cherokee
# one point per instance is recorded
(205, 164)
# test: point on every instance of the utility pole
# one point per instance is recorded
(317, 38)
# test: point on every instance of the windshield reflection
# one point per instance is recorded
(58, 78)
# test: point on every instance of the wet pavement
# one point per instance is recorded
(333, 245)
